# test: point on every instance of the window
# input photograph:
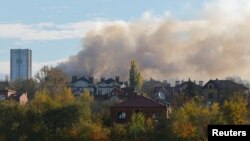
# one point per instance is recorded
(154, 115)
(210, 86)
(121, 116)
(210, 95)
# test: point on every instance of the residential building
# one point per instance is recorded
(100, 90)
(165, 93)
(20, 64)
(122, 112)
(220, 90)
(7, 94)
(105, 86)
(78, 85)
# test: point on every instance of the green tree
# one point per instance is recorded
(137, 125)
(190, 91)
(135, 77)
(11, 121)
(119, 132)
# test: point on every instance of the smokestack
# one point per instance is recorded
(201, 83)
(74, 78)
(165, 81)
(91, 79)
(177, 83)
(102, 79)
(117, 79)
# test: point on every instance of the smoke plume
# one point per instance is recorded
(214, 44)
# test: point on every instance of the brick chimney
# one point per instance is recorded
(201, 83)
(102, 79)
(74, 78)
(91, 79)
(177, 83)
(117, 79)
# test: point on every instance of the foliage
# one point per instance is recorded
(148, 86)
(52, 79)
(119, 131)
(98, 133)
(235, 110)
(137, 125)
(190, 121)
(29, 86)
(135, 77)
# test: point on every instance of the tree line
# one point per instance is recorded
(53, 113)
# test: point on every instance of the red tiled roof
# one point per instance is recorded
(139, 101)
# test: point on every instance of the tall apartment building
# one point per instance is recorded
(20, 64)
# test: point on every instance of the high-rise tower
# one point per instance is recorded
(20, 64)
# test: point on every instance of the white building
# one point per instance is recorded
(20, 64)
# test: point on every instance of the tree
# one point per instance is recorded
(119, 132)
(98, 133)
(11, 121)
(235, 109)
(190, 91)
(139, 81)
(149, 85)
(52, 79)
(137, 125)
(29, 86)
(190, 121)
(135, 77)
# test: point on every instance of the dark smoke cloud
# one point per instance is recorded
(165, 47)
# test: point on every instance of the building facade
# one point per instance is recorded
(20, 64)
(101, 89)
(122, 112)
(220, 90)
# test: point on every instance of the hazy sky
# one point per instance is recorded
(54, 29)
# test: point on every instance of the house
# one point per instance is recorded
(161, 94)
(166, 94)
(5, 93)
(188, 87)
(8, 94)
(77, 85)
(100, 90)
(22, 99)
(123, 94)
(220, 90)
(122, 112)
(106, 86)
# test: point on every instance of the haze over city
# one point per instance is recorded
(203, 40)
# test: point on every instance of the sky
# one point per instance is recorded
(55, 30)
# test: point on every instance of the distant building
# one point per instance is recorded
(20, 64)
(165, 93)
(7, 94)
(220, 90)
(122, 112)
(105, 86)
(100, 90)
(78, 85)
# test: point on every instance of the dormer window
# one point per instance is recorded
(210, 86)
